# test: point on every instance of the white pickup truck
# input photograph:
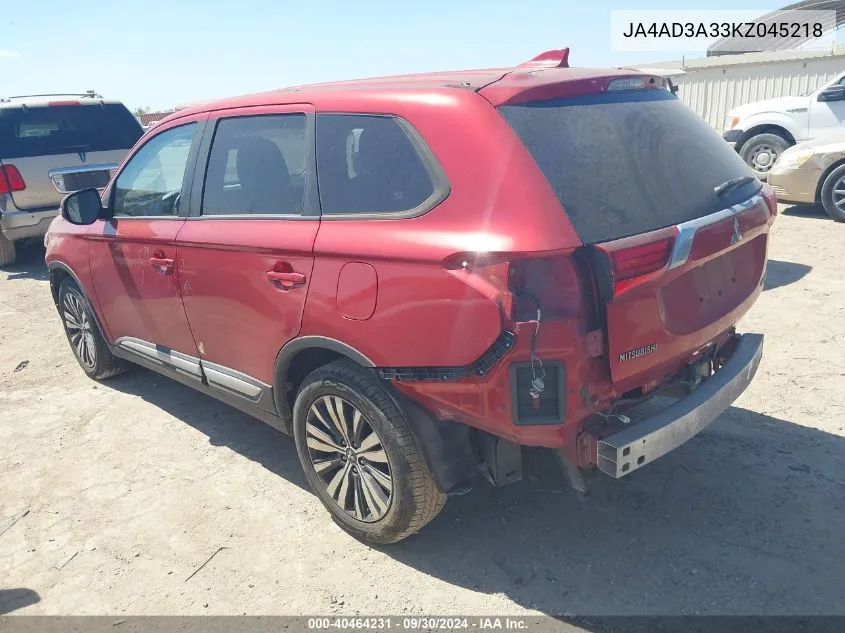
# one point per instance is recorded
(760, 131)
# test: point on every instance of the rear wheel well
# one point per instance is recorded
(297, 369)
(766, 129)
(57, 276)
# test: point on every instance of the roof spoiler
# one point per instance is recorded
(550, 59)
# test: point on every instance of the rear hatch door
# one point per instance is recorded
(64, 146)
(679, 255)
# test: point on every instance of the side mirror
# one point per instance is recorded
(82, 207)
(833, 93)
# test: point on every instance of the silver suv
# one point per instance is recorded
(51, 145)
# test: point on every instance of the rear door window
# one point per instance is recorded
(66, 129)
(623, 163)
(257, 165)
(373, 164)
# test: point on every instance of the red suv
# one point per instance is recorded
(417, 275)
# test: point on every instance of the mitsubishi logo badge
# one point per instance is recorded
(737, 234)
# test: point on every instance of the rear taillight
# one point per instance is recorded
(632, 265)
(11, 179)
(771, 199)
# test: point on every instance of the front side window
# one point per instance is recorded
(257, 165)
(151, 183)
(369, 164)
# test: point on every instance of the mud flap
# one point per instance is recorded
(501, 461)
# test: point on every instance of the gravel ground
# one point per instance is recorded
(114, 496)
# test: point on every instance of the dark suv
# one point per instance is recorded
(51, 145)
(415, 276)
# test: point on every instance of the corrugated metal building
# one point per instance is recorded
(714, 85)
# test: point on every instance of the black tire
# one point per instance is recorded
(829, 195)
(761, 151)
(414, 499)
(86, 341)
(8, 253)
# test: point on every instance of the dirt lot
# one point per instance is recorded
(113, 495)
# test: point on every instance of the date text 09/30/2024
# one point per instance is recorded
(421, 623)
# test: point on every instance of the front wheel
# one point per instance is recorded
(360, 455)
(833, 194)
(761, 151)
(88, 345)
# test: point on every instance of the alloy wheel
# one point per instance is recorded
(348, 456)
(838, 194)
(79, 331)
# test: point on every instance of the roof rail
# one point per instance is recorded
(91, 94)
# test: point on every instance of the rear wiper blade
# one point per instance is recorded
(733, 183)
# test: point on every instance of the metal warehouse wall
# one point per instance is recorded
(712, 92)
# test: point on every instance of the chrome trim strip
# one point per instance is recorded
(177, 360)
(624, 452)
(82, 169)
(63, 171)
(232, 380)
(687, 230)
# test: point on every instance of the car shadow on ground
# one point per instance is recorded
(223, 425)
(29, 263)
(14, 599)
(807, 211)
(745, 518)
(780, 273)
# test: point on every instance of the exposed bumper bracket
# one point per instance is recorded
(622, 453)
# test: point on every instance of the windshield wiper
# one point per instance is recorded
(733, 183)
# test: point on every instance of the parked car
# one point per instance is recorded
(416, 276)
(762, 130)
(51, 145)
(811, 173)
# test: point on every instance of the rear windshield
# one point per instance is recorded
(628, 163)
(44, 130)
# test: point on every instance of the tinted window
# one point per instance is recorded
(256, 166)
(44, 130)
(368, 164)
(627, 163)
(151, 183)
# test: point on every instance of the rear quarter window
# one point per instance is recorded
(374, 164)
(51, 130)
(628, 162)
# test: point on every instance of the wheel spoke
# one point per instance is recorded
(383, 480)
(71, 321)
(334, 406)
(322, 437)
(375, 455)
(324, 464)
(338, 479)
(347, 482)
(317, 445)
(356, 428)
(359, 501)
(370, 442)
(373, 493)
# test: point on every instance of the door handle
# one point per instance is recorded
(285, 279)
(162, 265)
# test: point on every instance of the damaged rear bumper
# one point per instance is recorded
(624, 452)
